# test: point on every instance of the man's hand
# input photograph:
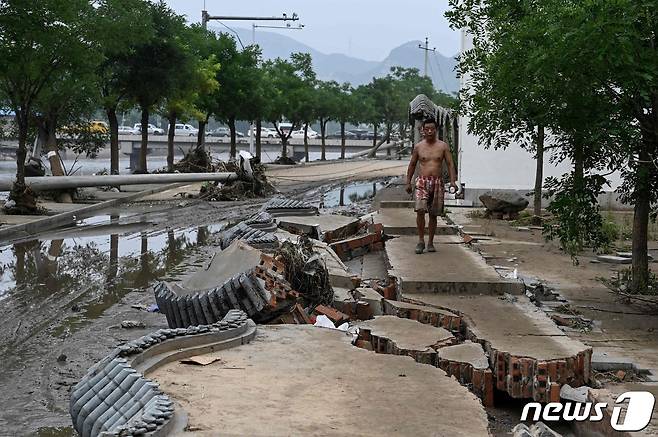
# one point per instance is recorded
(409, 188)
(454, 185)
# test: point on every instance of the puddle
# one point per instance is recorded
(346, 195)
(64, 431)
(88, 267)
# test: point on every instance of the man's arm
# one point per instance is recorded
(451, 166)
(412, 168)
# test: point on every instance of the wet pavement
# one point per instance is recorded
(64, 294)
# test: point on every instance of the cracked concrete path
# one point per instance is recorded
(452, 269)
(304, 380)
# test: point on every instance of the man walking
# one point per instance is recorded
(431, 153)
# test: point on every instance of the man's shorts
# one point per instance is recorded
(429, 195)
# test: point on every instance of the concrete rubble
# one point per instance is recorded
(450, 311)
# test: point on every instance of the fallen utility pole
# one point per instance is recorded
(383, 147)
(46, 183)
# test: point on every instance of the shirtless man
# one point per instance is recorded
(431, 153)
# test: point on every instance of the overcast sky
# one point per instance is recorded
(366, 29)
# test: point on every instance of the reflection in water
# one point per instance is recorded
(352, 193)
(92, 273)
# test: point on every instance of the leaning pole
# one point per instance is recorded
(46, 183)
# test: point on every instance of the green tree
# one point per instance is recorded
(290, 85)
(345, 112)
(39, 40)
(150, 71)
(121, 26)
(325, 101)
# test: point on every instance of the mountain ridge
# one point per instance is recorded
(344, 68)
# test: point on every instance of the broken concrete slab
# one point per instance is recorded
(452, 269)
(375, 266)
(603, 361)
(393, 395)
(344, 301)
(372, 298)
(468, 353)
(423, 314)
(396, 336)
(225, 264)
(398, 221)
(469, 364)
(327, 227)
(610, 259)
(530, 356)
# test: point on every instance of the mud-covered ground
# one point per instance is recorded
(65, 293)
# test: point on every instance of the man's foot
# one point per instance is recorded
(420, 247)
(430, 247)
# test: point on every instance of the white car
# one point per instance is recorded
(127, 130)
(186, 130)
(299, 134)
(266, 132)
(152, 130)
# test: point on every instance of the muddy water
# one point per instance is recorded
(348, 194)
(58, 294)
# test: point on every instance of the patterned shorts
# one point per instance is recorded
(429, 195)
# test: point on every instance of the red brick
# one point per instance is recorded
(333, 314)
(488, 399)
(554, 393)
(552, 371)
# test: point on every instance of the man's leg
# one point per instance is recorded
(432, 226)
(420, 224)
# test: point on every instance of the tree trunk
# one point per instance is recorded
(114, 139)
(201, 137)
(171, 133)
(259, 123)
(145, 141)
(342, 140)
(539, 175)
(231, 126)
(323, 132)
(21, 152)
(373, 151)
(374, 137)
(284, 142)
(579, 166)
(306, 142)
(640, 268)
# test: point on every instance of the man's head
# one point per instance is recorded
(429, 129)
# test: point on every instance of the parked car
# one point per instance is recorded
(266, 132)
(337, 135)
(152, 130)
(363, 134)
(224, 132)
(185, 130)
(127, 130)
(297, 134)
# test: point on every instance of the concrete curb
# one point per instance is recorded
(16, 232)
(115, 399)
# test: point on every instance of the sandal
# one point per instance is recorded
(420, 247)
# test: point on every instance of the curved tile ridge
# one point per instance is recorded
(257, 238)
(263, 221)
(262, 293)
(115, 399)
(282, 206)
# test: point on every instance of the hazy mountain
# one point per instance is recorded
(343, 68)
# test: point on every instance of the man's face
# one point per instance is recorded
(429, 130)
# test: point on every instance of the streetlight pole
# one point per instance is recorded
(205, 17)
(427, 50)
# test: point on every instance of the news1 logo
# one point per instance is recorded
(638, 412)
